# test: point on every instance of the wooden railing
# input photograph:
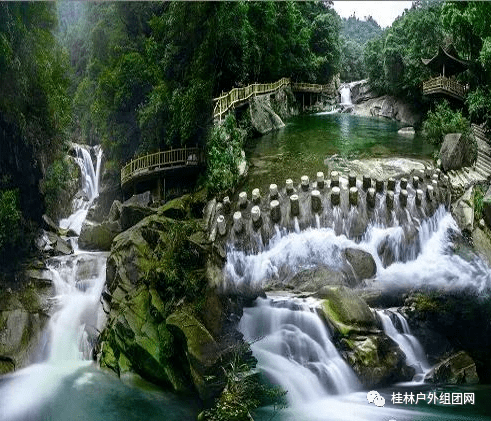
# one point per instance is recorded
(442, 84)
(310, 87)
(161, 159)
(236, 95)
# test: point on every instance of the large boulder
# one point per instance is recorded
(375, 358)
(313, 280)
(98, 236)
(463, 211)
(389, 107)
(361, 91)
(132, 213)
(362, 262)
(263, 118)
(458, 150)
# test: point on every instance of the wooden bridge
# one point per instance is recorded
(156, 165)
(239, 96)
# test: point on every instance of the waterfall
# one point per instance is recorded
(407, 342)
(346, 95)
(90, 187)
(294, 349)
(75, 322)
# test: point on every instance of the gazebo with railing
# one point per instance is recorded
(446, 64)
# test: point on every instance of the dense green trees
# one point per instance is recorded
(34, 112)
(153, 68)
(393, 61)
(355, 34)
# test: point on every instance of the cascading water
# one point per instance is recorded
(286, 334)
(78, 280)
(415, 356)
(294, 349)
(346, 95)
(90, 188)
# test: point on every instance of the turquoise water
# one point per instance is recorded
(90, 394)
(301, 147)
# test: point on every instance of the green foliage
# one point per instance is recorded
(224, 154)
(352, 63)
(444, 120)
(244, 391)
(393, 61)
(478, 201)
(176, 267)
(361, 31)
(10, 221)
(55, 184)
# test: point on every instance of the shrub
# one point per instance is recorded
(444, 120)
(224, 154)
(10, 220)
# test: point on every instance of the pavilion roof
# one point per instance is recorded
(449, 57)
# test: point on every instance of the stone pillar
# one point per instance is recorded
(430, 193)
(256, 216)
(243, 200)
(238, 223)
(389, 199)
(353, 196)
(445, 180)
(435, 177)
(371, 197)
(315, 199)
(289, 187)
(305, 182)
(379, 186)
(273, 191)
(336, 196)
(275, 211)
(334, 179)
(391, 184)
(403, 183)
(419, 197)
(320, 180)
(227, 206)
(415, 181)
(294, 205)
(256, 196)
(351, 180)
(403, 197)
(367, 182)
(221, 225)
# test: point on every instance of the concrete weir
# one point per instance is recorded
(346, 204)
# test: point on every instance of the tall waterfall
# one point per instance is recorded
(90, 187)
(408, 343)
(78, 280)
(294, 349)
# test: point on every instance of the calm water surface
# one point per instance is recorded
(301, 147)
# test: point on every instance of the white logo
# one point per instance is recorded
(376, 398)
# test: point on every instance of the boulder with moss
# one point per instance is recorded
(375, 358)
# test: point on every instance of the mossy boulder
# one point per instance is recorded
(362, 263)
(459, 368)
(201, 348)
(375, 358)
(347, 312)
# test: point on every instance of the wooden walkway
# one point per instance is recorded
(238, 96)
(156, 164)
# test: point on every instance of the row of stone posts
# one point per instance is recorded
(416, 182)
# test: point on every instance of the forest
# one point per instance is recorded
(139, 76)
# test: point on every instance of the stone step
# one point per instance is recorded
(475, 175)
(482, 172)
(463, 177)
(483, 155)
(484, 165)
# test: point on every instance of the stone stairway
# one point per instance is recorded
(462, 179)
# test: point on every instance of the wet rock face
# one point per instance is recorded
(374, 357)
(24, 312)
(458, 151)
(459, 368)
